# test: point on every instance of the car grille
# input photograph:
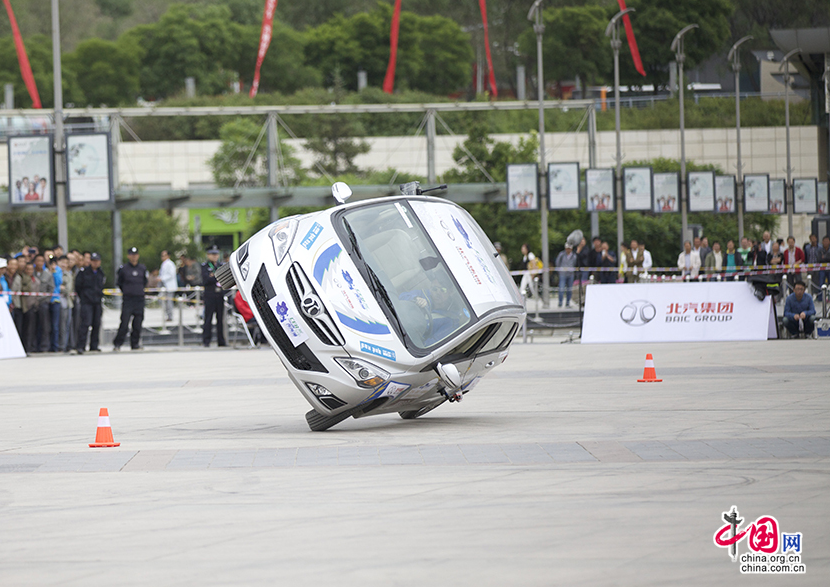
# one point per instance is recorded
(300, 357)
(322, 325)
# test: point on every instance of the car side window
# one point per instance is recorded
(500, 338)
(472, 342)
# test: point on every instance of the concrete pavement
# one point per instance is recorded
(559, 469)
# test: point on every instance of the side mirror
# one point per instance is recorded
(449, 375)
(341, 192)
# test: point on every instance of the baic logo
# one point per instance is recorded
(311, 306)
(638, 313)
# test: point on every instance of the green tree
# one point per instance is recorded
(24, 229)
(115, 8)
(228, 163)
(190, 40)
(433, 52)
(151, 231)
(656, 22)
(283, 69)
(39, 50)
(493, 156)
(333, 143)
(574, 44)
(107, 71)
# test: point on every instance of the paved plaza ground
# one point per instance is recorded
(558, 469)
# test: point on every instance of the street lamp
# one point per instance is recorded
(535, 15)
(734, 55)
(678, 47)
(613, 31)
(788, 186)
(60, 179)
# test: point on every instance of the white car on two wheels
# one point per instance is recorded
(388, 305)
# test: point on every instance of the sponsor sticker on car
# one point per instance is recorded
(393, 389)
(311, 236)
(378, 351)
(288, 320)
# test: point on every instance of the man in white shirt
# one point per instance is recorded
(696, 247)
(167, 275)
(766, 242)
(529, 260)
(688, 261)
(647, 258)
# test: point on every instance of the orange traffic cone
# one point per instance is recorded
(104, 434)
(649, 371)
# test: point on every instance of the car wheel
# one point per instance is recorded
(413, 414)
(319, 422)
(225, 276)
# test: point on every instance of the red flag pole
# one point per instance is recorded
(265, 41)
(630, 36)
(389, 79)
(491, 78)
(23, 59)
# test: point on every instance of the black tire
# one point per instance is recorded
(319, 422)
(413, 414)
(225, 276)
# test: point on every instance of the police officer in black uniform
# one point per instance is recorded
(131, 280)
(213, 299)
(89, 286)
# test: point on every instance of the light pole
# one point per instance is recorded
(60, 179)
(734, 55)
(535, 14)
(788, 186)
(613, 31)
(678, 47)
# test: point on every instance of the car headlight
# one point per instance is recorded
(363, 372)
(282, 235)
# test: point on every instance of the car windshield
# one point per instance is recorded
(406, 273)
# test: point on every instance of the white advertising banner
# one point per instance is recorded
(674, 312)
(805, 196)
(637, 188)
(88, 168)
(10, 346)
(778, 204)
(564, 186)
(725, 193)
(667, 191)
(600, 190)
(523, 192)
(756, 192)
(31, 176)
(701, 191)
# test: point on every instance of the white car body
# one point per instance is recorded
(312, 294)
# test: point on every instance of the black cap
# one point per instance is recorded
(132, 251)
(95, 257)
(213, 250)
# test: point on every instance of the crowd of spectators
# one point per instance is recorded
(780, 256)
(54, 297)
(699, 259)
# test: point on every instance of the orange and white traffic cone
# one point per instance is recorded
(104, 434)
(649, 371)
